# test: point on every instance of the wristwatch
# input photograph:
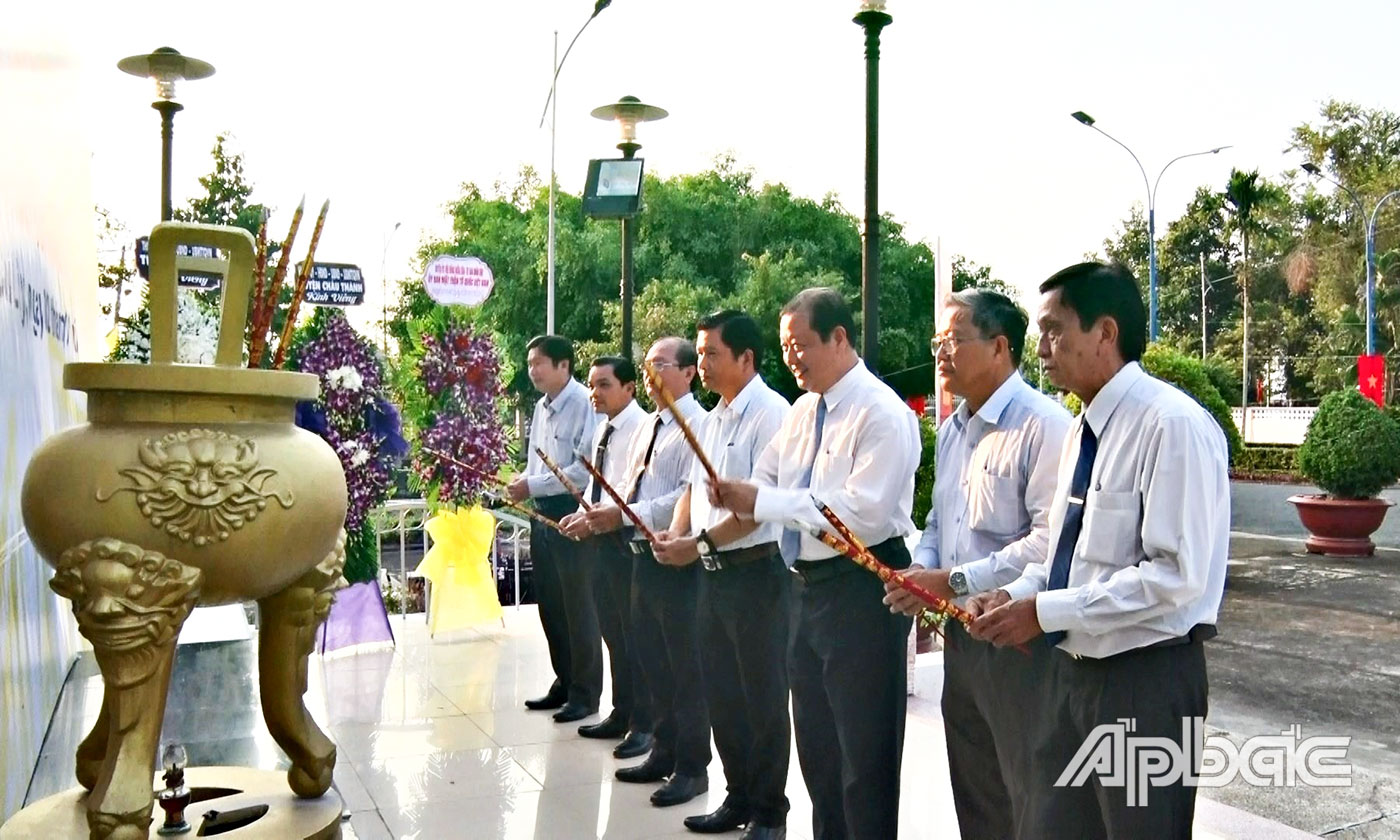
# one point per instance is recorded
(957, 581)
(704, 544)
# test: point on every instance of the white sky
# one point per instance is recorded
(388, 108)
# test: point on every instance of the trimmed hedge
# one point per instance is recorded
(1268, 459)
(928, 467)
(1352, 448)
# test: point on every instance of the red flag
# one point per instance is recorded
(1370, 377)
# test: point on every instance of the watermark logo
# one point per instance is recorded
(1121, 758)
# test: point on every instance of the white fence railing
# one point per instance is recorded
(1273, 424)
(402, 517)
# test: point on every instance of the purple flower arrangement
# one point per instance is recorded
(462, 439)
(355, 417)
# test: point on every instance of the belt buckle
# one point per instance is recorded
(711, 564)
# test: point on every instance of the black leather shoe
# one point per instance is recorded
(572, 712)
(764, 832)
(635, 744)
(680, 789)
(654, 769)
(549, 701)
(722, 819)
(608, 727)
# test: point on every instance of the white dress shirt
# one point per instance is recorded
(665, 478)
(1150, 560)
(864, 471)
(735, 434)
(996, 479)
(615, 460)
(558, 426)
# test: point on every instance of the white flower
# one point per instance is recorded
(359, 454)
(345, 378)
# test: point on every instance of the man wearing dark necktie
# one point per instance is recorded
(665, 599)
(1139, 530)
(851, 444)
(612, 382)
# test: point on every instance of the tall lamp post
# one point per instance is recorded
(166, 66)
(384, 283)
(551, 107)
(1313, 170)
(628, 111)
(1151, 213)
(873, 18)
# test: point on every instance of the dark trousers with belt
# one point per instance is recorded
(612, 595)
(1157, 688)
(992, 700)
(745, 618)
(562, 576)
(665, 602)
(849, 685)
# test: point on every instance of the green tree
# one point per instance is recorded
(120, 275)
(1247, 196)
(227, 196)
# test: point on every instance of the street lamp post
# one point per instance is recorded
(1151, 213)
(166, 66)
(384, 284)
(628, 111)
(872, 18)
(1316, 172)
(551, 107)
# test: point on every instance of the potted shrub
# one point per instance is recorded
(1351, 451)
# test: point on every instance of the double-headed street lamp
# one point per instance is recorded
(166, 66)
(1313, 170)
(617, 192)
(551, 107)
(872, 17)
(1151, 213)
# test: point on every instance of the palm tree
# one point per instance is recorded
(1246, 194)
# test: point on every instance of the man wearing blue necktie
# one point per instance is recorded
(850, 444)
(1139, 536)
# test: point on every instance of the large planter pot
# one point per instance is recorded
(189, 485)
(1341, 527)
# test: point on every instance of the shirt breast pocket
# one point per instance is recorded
(1110, 532)
(994, 506)
(736, 461)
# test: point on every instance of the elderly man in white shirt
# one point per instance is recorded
(851, 444)
(998, 458)
(1139, 536)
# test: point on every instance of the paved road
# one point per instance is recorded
(1257, 508)
(1313, 641)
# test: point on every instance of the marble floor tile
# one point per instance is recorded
(512, 727)
(397, 783)
(367, 741)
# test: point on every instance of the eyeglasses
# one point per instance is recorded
(950, 343)
(661, 365)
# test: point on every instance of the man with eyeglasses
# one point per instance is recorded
(998, 457)
(665, 599)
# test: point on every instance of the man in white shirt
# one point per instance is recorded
(562, 420)
(1139, 536)
(745, 589)
(998, 458)
(612, 382)
(664, 598)
(851, 444)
